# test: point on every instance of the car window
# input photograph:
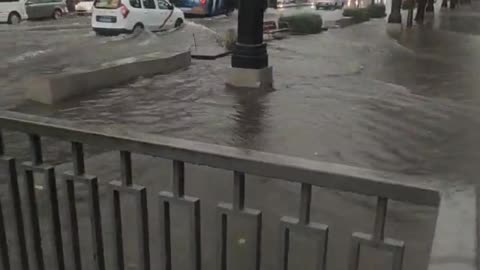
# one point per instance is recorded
(149, 4)
(163, 4)
(135, 3)
(107, 4)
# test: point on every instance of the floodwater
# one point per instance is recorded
(366, 95)
(369, 95)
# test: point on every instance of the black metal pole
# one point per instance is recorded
(395, 15)
(250, 51)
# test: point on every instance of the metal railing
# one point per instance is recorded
(304, 172)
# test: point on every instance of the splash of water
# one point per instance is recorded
(27, 55)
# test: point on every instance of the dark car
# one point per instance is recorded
(38, 9)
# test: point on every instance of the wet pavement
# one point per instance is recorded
(370, 95)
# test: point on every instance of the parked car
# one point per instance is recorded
(329, 4)
(12, 11)
(84, 7)
(38, 9)
(127, 16)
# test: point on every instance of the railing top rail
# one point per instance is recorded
(321, 174)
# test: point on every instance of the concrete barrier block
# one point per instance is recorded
(55, 88)
(250, 78)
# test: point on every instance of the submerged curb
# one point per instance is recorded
(52, 89)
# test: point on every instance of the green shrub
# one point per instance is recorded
(303, 23)
(229, 39)
(377, 11)
(358, 14)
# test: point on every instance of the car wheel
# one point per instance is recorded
(138, 28)
(57, 14)
(178, 23)
(14, 18)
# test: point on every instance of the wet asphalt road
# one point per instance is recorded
(370, 95)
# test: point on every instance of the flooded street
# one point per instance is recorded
(370, 95)
(367, 95)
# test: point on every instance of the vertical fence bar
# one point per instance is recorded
(354, 260)
(2, 146)
(78, 159)
(72, 212)
(96, 223)
(126, 168)
(238, 190)
(380, 218)
(78, 169)
(17, 207)
(222, 241)
(55, 215)
(284, 248)
(117, 225)
(3, 238)
(4, 254)
(305, 203)
(178, 178)
(166, 248)
(94, 207)
(35, 149)
(143, 232)
(177, 197)
(32, 206)
(196, 231)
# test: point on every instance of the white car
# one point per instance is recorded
(127, 16)
(84, 7)
(329, 4)
(12, 11)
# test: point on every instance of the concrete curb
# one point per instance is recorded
(209, 55)
(55, 88)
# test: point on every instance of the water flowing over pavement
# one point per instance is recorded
(367, 95)
(370, 95)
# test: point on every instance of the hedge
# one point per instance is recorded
(303, 23)
(358, 14)
(377, 11)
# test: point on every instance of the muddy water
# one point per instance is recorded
(369, 96)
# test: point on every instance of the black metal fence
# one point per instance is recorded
(304, 172)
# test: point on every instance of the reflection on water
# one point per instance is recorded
(249, 117)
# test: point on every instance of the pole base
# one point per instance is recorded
(250, 78)
(395, 18)
(250, 56)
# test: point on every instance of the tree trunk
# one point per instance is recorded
(411, 6)
(453, 4)
(420, 10)
(430, 7)
(395, 15)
